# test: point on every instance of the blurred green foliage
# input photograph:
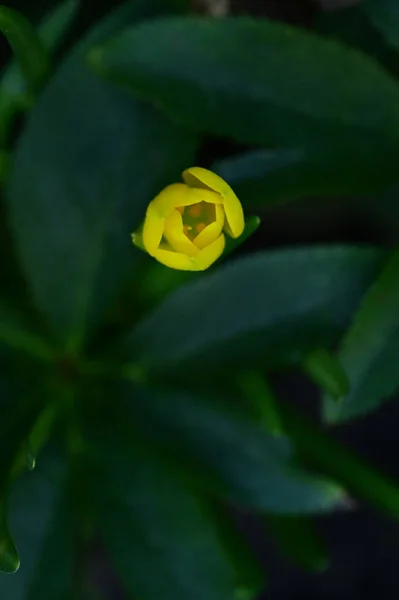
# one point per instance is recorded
(140, 392)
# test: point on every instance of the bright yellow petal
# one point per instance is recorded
(212, 231)
(234, 214)
(175, 260)
(209, 255)
(152, 229)
(177, 194)
(197, 176)
(173, 232)
(203, 195)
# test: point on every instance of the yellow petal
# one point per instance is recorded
(179, 194)
(234, 214)
(175, 260)
(152, 229)
(173, 232)
(197, 176)
(209, 255)
(203, 195)
(212, 231)
(182, 262)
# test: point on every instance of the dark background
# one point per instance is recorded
(363, 545)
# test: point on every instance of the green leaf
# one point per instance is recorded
(41, 525)
(384, 15)
(263, 178)
(251, 225)
(297, 539)
(158, 533)
(327, 372)
(263, 310)
(370, 349)
(220, 448)
(20, 408)
(260, 395)
(9, 558)
(14, 93)
(333, 459)
(103, 156)
(15, 336)
(202, 73)
(28, 49)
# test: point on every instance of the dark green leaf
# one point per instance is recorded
(301, 91)
(297, 538)
(337, 461)
(251, 225)
(41, 525)
(265, 309)
(370, 349)
(262, 178)
(158, 533)
(14, 93)
(260, 395)
(222, 449)
(384, 15)
(28, 49)
(9, 558)
(327, 371)
(103, 157)
(20, 408)
(15, 336)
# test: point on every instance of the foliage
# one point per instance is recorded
(143, 393)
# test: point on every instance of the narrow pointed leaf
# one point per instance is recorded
(370, 349)
(14, 92)
(41, 525)
(335, 460)
(29, 51)
(327, 371)
(223, 450)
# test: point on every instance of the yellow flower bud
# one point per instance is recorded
(184, 225)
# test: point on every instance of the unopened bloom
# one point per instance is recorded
(185, 225)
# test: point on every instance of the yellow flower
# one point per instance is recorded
(184, 225)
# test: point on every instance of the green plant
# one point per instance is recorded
(143, 392)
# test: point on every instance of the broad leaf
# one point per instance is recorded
(42, 529)
(222, 449)
(88, 162)
(370, 349)
(202, 72)
(158, 533)
(263, 178)
(266, 309)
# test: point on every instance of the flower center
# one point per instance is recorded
(196, 217)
